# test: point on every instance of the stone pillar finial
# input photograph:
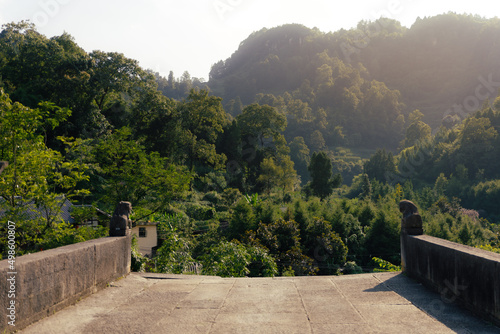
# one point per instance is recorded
(411, 223)
(119, 225)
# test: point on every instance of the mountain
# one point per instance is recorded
(367, 80)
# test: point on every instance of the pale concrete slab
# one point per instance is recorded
(366, 303)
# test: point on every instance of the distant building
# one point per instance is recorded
(147, 237)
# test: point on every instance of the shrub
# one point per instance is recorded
(231, 259)
(174, 255)
(352, 268)
(282, 238)
(382, 238)
(243, 219)
(138, 261)
(384, 265)
(212, 197)
(486, 196)
(325, 246)
(231, 196)
(199, 212)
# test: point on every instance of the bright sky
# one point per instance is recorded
(192, 35)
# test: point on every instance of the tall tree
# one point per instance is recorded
(417, 131)
(37, 177)
(203, 115)
(299, 153)
(203, 119)
(380, 165)
(320, 168)
(123, 170)
(269, 174)
(261, 123)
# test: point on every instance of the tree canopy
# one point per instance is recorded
(291, 159)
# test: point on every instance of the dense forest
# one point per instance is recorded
(290, 160)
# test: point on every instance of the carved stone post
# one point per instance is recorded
(120, 224)
(411, 224)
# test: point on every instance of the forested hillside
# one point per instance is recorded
(364, 79)
(291, 160)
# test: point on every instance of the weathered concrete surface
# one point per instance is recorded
(367, 303)
(46, 282)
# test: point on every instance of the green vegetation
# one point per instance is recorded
(291, 160)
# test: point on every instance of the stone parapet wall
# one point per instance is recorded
(48, 281)
(462, 274)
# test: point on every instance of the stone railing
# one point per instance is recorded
(36, 285)
(462, 274)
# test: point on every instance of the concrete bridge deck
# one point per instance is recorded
(366, 303)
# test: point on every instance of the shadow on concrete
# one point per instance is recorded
(441, 307)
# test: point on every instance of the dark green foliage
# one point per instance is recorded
(231, 196)
(282, 238)
(205, 241)
(381, 166)
(301, 215)
(258, 123)
(351, 268)
(229, 259)
(486, 195)
(325, 246)
(174, 254)
(138, 261)
(261, 263)
(366, 214)
(243, 219)
(299, 153)
(267, 212)
(382, 239)
(286, 84)
(322, 183)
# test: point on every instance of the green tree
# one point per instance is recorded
(235, 106)
(157, 122)
(112, 72)
(417, 131)
(203, 119)
(38, 178)
(242, 220)
(366, 187)
(269, 174)
(121, 169)
(440, 184)
(287, 175)
(203, 115)
(320, 168)
(282, 238)
(476, 143)
(261, 122)
(230, 259)
(174, 255)
(380, 165)
(317, 142)
(325, 246)
(299, 153)
(382, 239)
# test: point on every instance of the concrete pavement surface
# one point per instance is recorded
(365, 303)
